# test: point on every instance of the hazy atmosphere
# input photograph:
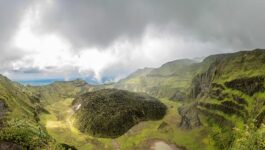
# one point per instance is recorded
(103, 41)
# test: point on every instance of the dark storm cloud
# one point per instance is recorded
(100, 22)
(27, 70)
(234, 23)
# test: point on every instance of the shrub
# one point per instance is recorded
(249, 138)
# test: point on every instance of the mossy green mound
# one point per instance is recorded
(111, 112)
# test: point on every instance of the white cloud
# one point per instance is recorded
(58, 39)
(55, 53)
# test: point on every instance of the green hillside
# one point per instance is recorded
(171, 80)
(19, 117)
(229, 98)
(224, 92)
(59, 90)
(21, 107)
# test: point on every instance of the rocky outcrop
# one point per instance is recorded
(163, 125)
(250, 85)
(10, 146)
(179, 95)
(66, 147)
(226, 108)
(240, 100)
(200, 87)
(260, 118)
(3, 111)
(190, 118)
(216, 92)
(201, 83)
(216, 118)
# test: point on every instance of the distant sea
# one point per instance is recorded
(38, 82)
(49, 81)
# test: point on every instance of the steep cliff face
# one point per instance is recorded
(190, 118)
(206, 72)
(201, 83)
(228, 75)
(229, 94)
(224, 68)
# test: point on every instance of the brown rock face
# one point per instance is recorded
(190, 118)
(249, 85)
(9, 146)
(3, 110)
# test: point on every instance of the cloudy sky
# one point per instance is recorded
(104, 40)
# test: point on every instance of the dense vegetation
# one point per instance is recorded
(111, 112)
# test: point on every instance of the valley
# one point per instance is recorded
(142, 136)
(218, 103)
